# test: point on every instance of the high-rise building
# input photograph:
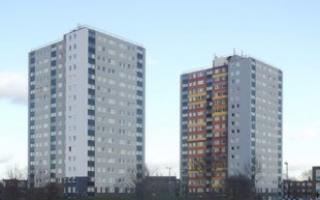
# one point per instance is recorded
(231, 124)
(86, 113)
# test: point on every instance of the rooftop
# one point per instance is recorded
(84, 26)
(79, 27)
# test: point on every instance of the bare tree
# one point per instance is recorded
(199, 167)
(203, 172)
(307, 175)
(239, 187)
(255, 173)
(51, 191)
(136, 184)
(54, 191)
(16, 172)
(15, 183)
(11, 190)
(15, 187)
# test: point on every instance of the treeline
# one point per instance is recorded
(236, 188)
(13, 190)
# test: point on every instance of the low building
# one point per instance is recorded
(21, 184)
(13, 189)
(1, 190)
(298, 189)
(304, 189)
(160, 187)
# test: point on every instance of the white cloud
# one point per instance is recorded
(13, 87)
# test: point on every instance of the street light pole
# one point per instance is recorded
(287, 177)
(169, 183)
(169, 169)
(287, 171)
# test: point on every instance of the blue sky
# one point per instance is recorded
(178, 36)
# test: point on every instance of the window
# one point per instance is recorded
(139, 74)
(139, 130)
(91, 61)
(140, 65)
(91, 81)
(91, 112)
(91, 102)
(139, 102)
(91, 91)
(139, 111)
(139, 120)
(53, 54)
(91, 71)
(139, 56)
(32, 69)
(139, 83)
(139, 93)
(32, 60)
(53, 110)
(91, 122)
(91, 50)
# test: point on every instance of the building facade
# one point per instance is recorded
(298, 189)
(231, 124)
(86, 113)
(304, 189)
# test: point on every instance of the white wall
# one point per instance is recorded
(77, 100)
